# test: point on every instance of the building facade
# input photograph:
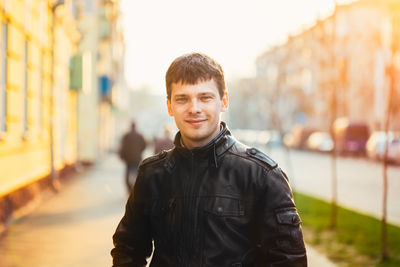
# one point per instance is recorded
(55, 109)
(336, 68)
(34, 90)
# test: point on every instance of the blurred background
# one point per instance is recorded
(315, 84)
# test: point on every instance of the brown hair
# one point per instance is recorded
(193, 68)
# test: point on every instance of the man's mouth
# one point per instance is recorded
(195, 122)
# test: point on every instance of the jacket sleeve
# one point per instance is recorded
(132, 238)
(281, 239)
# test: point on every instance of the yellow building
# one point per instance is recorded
(34, 91)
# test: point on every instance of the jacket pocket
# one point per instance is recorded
(290, 233)
(224, 206)
(288, 216)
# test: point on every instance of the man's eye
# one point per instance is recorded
(180, 99)
(205, 98)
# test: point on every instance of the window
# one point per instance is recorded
(3, 77)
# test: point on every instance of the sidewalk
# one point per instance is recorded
(74, 227)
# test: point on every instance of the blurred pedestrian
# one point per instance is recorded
(210, 201)
(131, 149)
(163, 143)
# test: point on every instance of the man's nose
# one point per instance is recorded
(194, 106)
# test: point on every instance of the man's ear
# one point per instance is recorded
(169, 107)
(225, 101)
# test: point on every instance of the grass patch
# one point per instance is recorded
(356, 241)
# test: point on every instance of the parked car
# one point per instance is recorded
(376, 145)
(351, 136)
(394, 151)
(298, 136)
(320, 141)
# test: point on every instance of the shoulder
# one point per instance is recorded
(158, 158)
(254, 155)
(137, 135)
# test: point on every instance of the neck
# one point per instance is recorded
(203, 144)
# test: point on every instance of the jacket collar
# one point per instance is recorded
(216, 147)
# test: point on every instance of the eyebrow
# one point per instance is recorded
(199, 94)
(180, 95)
(206, 93)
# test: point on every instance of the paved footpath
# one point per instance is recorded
(74, 227)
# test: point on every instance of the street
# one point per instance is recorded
(359, 180)
(75, 226)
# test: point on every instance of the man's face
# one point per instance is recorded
(196, 110)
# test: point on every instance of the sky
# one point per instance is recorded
(234, 32)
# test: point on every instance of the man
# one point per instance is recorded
(132, 147)
(210, 201)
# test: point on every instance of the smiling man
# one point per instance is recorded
(196, 110)
(209, 201)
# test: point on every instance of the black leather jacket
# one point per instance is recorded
(220, 205)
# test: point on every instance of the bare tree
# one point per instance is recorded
(333, 108)
(389, 111)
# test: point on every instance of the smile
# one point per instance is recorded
(195, 122)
